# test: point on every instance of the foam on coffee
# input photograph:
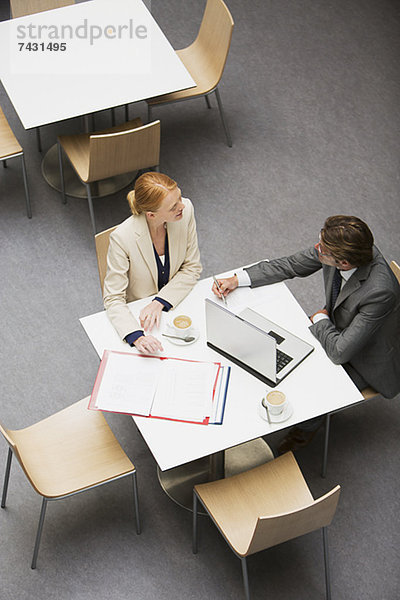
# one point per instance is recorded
(182, 322)
(276, 398)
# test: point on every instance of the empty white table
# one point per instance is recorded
(114, 54)
(314, 388)
(80, 59)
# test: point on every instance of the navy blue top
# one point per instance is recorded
(163, 278)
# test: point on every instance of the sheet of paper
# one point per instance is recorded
(239, 299)
(236, 301)
(186, 392)
(128, 384)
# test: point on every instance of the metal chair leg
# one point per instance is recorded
(245, 578)
(27, 198)
(91, 211)
(148, 113)
(194, 536)
(60, 162)
(39, 533)
(326, 561)
(38, 139)
(208, 101)
(326, 444)
(136, 500)
(224, 123)
(6, 478)
(4, 164)
(126, 112)
(112, 117)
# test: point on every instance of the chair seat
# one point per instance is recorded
(58, 463)
(236, 503)
(9, 145)
(77, 146)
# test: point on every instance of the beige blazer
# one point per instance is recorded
(132, 269)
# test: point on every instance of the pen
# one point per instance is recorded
(219, 289)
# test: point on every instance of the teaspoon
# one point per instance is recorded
(188, 338)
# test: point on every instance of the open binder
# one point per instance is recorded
(161, 387)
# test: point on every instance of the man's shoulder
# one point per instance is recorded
(378, 275)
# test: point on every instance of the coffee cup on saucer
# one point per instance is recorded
(182, 325)
(274, 403)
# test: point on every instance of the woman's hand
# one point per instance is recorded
(148, 344)
(150, 315)
(226, 285)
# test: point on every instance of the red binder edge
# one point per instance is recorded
(99, 377)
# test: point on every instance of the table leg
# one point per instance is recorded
(178, 482)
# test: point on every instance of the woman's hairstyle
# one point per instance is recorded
(348, 238)
(150, 190)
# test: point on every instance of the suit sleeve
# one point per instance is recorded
(189, 272)
(341, 346)
(301, 264)
(115, 285)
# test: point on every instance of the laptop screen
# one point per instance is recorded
(240, 340)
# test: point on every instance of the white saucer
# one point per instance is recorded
(284, 416)
(194, 333)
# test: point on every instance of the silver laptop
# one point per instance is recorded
(256, 344)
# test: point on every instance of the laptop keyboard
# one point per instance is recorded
(282, 360)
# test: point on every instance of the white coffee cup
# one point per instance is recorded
(275, 402)
(182, 325)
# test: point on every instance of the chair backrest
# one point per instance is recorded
(270, 531)
(102, 240)
(8, 142)
(124, 151)
(214, 39)
(20, 8)
(396, 269)
(11, 441)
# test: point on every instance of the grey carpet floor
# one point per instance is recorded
(311, 91)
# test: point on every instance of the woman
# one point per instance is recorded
(154, 251)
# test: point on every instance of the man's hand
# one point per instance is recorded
(147, 344)
(323, 311)
(226, 285)
(150, 315)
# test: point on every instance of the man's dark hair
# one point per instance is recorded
(348, 238)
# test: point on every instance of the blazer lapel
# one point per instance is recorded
(353, 283)
(145, 246)
(175, 242)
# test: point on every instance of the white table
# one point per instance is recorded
(115, 54)
(314, 388)
(48, 86)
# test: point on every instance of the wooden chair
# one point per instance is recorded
(264, 507)
(205, 60)
(10, 148)
(102, 241)
(367, 393)
(121, 149)
(20, 8)
(70, 452)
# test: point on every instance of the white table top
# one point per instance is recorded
(119, 65)
(315, 387)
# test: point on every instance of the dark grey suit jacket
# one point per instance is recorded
(364, 330)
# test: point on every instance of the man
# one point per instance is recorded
(359, 327)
